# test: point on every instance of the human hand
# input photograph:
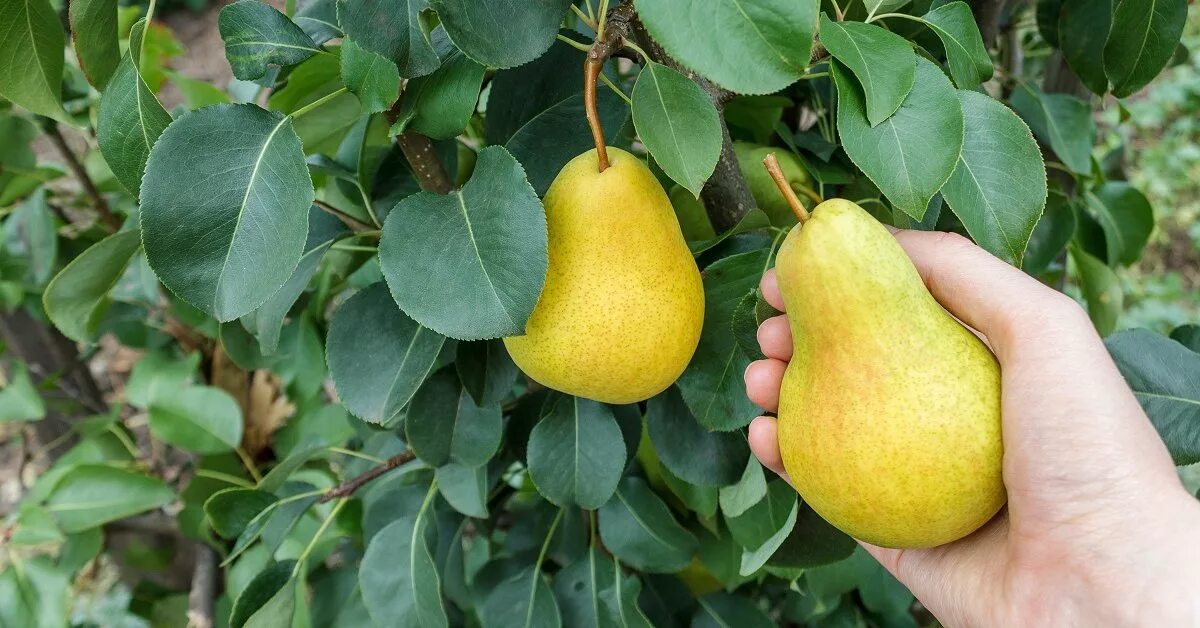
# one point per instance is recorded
(1098, 529)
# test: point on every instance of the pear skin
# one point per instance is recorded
(889, 413)
(620, 314)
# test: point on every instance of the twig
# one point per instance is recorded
(111, 220)
(347, 488)
(430, 173)
(202, 598)
(350, 221)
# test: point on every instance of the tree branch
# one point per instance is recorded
(202, 598)
(987, 15)
(353, 223)
(348, 487)
(431, 174)
(110, 220)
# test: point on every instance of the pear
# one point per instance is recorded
(750, 158)
(889, 413)
(620, 314)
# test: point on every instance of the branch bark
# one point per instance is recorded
(110, 220)
(431, 174)
(348, 487)
(202, 598)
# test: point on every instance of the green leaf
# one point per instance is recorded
(678, 123)
(35, 592)
(523, 600)
(690, 451)
(591, 593)
(374, 78)
(502, 33)
(378, 357)
(877, 7)
(487, 240)
(399, 576)
(576, 453)
(392, 29)
(1062, 121)
(19, 399)
(198, 93)
(31, 61)
(78, 295)
(1101, 290)
(466, 488)
(912, 154)
(320, 130)
(94, 34)
(91, 495)
(31, 233)
(319, 20)
(230, 511)
(156, 373)
(762, 521)
(1051, 234)
(1083, 29)
(966, 55)
(1143, 39)
(765, 44)
(998, 189)
(444, 424)
(130, 119)
(440, 105)
(748, 491)
(1048, 12)
(637, 527)
(201, 419)
(1164, 376)
(883, 62)
(1188, 336)
(812, 542)
(257, 36)
(270, 592)
(486, 371)
(744, 325)
(753, 558)
(721, 610)
(225, 207)
(750, 221)
(1126, 217)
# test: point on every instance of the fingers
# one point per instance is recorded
(775, 338)
(763, 378)
(770, 290)
(764, 442)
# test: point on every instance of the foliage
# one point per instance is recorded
(315, 263)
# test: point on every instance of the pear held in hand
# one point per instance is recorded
(889, 414)
(621, 311)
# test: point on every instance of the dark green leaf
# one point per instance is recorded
(94, 34)
(274, 523)
(765, 44)
(1101, 289)
(1127, 219)
(678, 123)
(1048, 12)
(712, 384)
(257, 36)
(750, 221)
(1143, 38)
(78, 295)
(268, 591)
(689, 450)
(576, 453)
(912, 154)
(1051, 234)
(231, 510)
(484, 244)
(883, 62)
(502, 33)
(637, 527)
(377, 373)
(444, 424)
(1083, 28)
(399, 574)
(1188, 336)
(1165, 378)
(1060, 120)
(31, 62)
(744, 325)
(391, 28)
(440, 105)
(225, 207)
(721, 610)
(765, 519)
(466, 488)
(369, 75)
(966, 55)
(998, 188)
(591, 594)
(812, 542)
(319, 20)
(523, 600)
(486, 371)
(200, 419)
(91, 495)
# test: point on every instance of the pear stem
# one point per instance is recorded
(591, 72)
(781, 182)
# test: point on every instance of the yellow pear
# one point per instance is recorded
(762, 188)
(889, 414)
(621, 311)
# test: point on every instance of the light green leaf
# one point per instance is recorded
(197, 93)
(157, 373)
(201, 419)
(376, 374)
(1126, 217)
(1060, 120)
(399, 576)
(319, 20)
(94, 34)
(374, 78)
(576, 453)
(524, 600)
(1144, 36)
(31, 60)
(678, 123)
(1165, 378)
(998, 188)
(637, 527)
(761, 522)
(31, 233)
(749, 490)
(883, 62)
(78, 295)
(765, 44)
(466, 488)
(440, 105)
(231, 510)
(91, 495)
(722, 610)
(753, 558)
(258, 36)
(488, 240)
(1101, 290)
(225, 207)
(912, 154)
(391, 28)
(269, 595)
(690, 451)
(19, 399)
(1083, 29)
(966, 55)
(444, 424)
(502, 33)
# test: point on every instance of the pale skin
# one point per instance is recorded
(1098, 529)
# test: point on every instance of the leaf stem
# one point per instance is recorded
(317, 537)
(353, 247)
(249, 464)
(837, 10)
(901, 15)
(317, 103)
(587, 20)
(124, 438)
(772, 165)
(607, 81)
(357, 454)
(223, 477)
(537, 567)
(572, 43)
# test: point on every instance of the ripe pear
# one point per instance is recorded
(620, 314)
(889, 413)
(762, 188)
